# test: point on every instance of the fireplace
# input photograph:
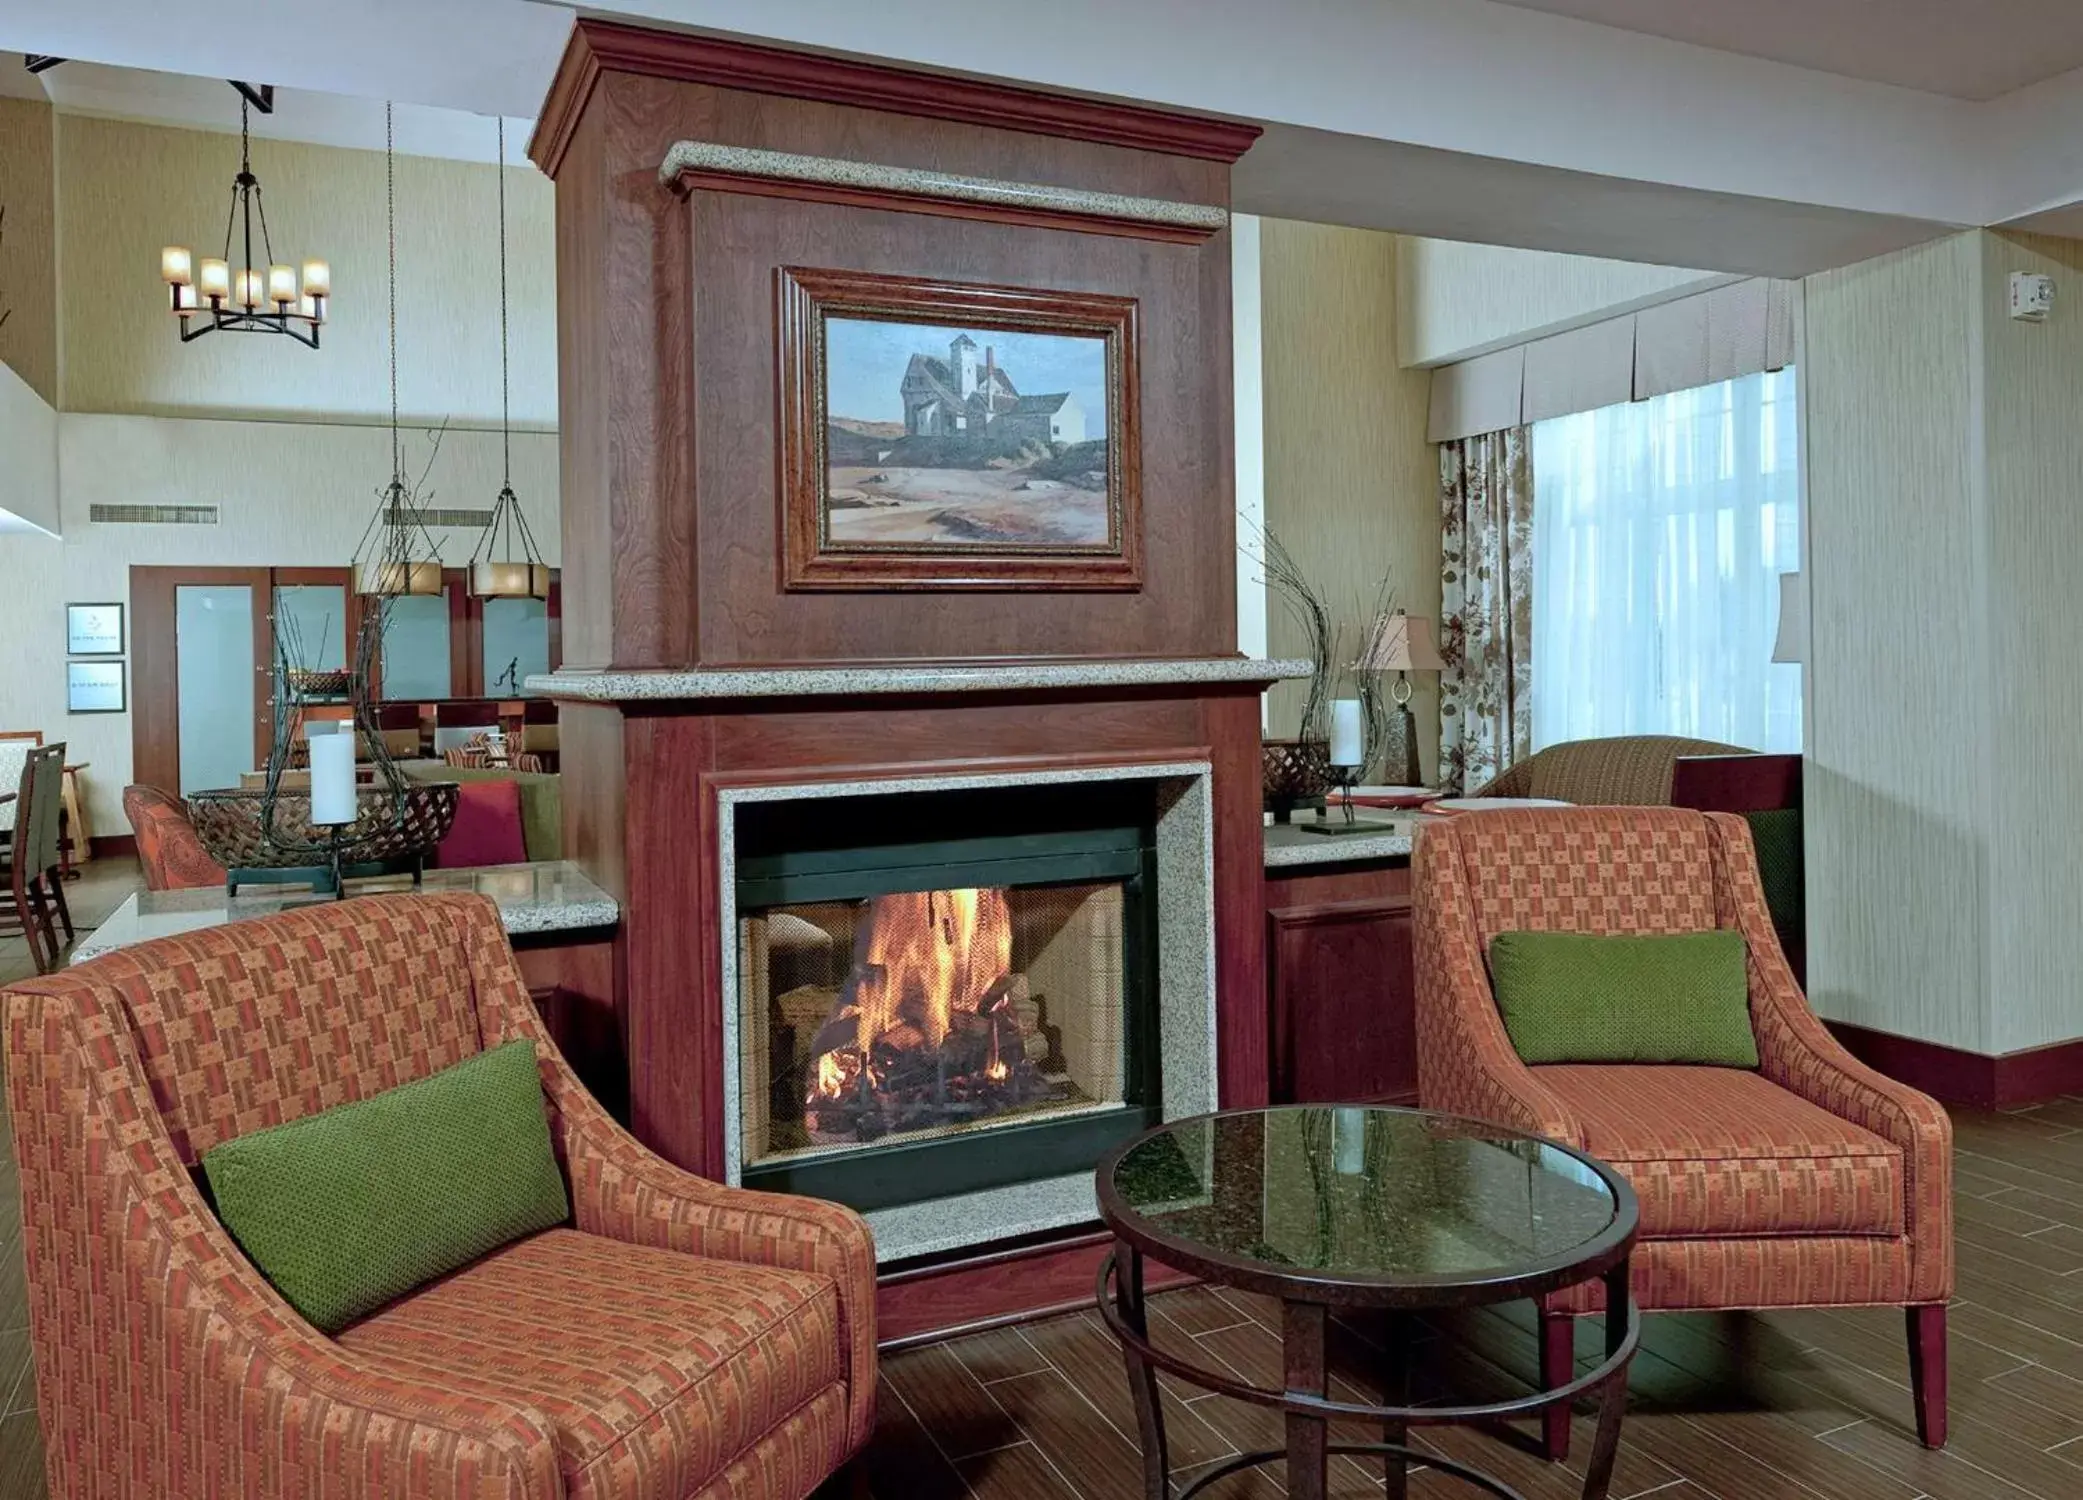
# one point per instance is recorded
(942, 993)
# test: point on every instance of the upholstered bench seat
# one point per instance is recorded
(654, 1369)
(1720, 1151)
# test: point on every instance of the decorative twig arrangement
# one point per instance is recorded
(1306, 607)
(1369, 686)
(377, 820)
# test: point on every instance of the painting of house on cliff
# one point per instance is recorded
(971, 438)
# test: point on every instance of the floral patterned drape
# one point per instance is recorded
(1486, 606)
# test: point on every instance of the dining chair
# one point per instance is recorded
(34, 856)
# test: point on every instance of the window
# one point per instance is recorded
(1660, 530)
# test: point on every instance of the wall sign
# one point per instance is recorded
(940, 434)
(94, 687)
(94, 630)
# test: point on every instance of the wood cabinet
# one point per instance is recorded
(1340, 984)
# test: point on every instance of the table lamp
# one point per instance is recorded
(1402, 644)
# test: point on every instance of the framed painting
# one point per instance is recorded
(939, 434)
(94, 687)
(93, 630)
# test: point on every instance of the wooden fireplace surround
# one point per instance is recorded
(673, 553)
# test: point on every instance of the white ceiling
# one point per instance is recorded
(181, 99)
(1969, 49)
(1688, 132)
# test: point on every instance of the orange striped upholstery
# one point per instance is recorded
(648, 1395)
(1813, 1181)
(1720, 1151)
(713, 1342)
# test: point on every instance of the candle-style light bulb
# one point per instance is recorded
(183, 298)
(252, 289)
(318, 279)
(214, 279)
(282, 286)
(176, 266)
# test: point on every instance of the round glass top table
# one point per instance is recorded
(1394, 1212)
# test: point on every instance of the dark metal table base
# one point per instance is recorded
(1309, 1410)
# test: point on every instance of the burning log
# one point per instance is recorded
(932, 1028)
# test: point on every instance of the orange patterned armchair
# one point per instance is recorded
(678, 1339)
(172, 857)
(1813, 1181)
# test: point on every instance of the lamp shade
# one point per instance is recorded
(1791, 644)
(383, 578)
(491, 579)
(1400, 643)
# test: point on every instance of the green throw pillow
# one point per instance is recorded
(354, 1207)
(1577, 997)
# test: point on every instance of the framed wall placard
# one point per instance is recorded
(93, 630)
(95, 687)
(939, 434)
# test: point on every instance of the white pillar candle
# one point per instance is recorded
(332, 777)
(1346, 738)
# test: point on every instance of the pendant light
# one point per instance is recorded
(261, 296)
(495, 573)
(396, 554)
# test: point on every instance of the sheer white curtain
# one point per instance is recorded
(1660, 530)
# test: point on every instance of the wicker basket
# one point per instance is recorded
(320, 682)
(228, 824)
(1295, 771)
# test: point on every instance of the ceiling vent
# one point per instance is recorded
(152, 515)
(471, 520)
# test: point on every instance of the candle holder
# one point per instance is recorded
(1345, 777)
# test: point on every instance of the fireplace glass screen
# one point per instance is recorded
(914, 1015)
(941, 993)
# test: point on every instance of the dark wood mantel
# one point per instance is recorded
(669, 354)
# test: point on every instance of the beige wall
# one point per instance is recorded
(1351, 484)
(1898, 778)
(1945, 480)
(2034, 644)
(1459, 299)
(288, 495)
(28, 245)
(28, 454)
(126, 189)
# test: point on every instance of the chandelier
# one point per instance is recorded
(397, 554)
(263, 297)
(495, 573)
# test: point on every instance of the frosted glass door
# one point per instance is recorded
(213, 654)
(415, 646)
(311, 630)
(517, 644)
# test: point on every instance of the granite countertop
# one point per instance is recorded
(1385, 838)
(546, 896)
(924, 677)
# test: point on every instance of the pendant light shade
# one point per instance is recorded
(389, 580)
(495, 572)
(509, 580)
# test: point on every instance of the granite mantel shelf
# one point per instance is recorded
(840, 682)
(691, 164)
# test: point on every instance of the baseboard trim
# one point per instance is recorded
(2004, 1081)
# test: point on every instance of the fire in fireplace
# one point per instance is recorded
(931, 1028)
(894, 1032)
